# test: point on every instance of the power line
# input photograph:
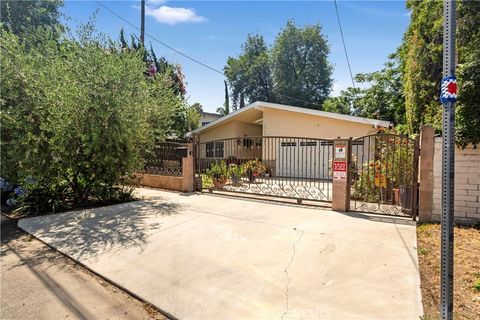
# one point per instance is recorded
(161, 42)
(187, 56)
(343, 41)
(300, 100)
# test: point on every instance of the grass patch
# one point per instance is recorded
(476, 285)
(422, 251)
(466, 270)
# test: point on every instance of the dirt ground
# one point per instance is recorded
(34, 276)
(466, 270)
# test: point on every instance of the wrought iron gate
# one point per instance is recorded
(385, 174)
(288, 167)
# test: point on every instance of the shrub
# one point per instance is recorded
(218, 172)
(77, 115)
(255, 167)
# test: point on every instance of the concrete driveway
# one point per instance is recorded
(210, 257)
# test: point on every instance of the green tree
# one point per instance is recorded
(345, 103)
(251, 73)
(384, 98)
(421, 56)
(294, 71)
(193, 116)
(22, 17)
(226, 105)
(197, 106)
(301, 69)
(78, 115)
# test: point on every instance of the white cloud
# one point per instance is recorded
(172, 16)
(156, 2)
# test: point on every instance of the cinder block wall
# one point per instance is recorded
(467, 183)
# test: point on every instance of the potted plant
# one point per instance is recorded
(253, 169)
(218, 172)
(235, 172)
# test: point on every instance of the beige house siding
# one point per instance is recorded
(294, 124)
(232, 129)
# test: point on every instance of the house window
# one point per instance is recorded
(214, 149)
(308, 143)
(288, 144)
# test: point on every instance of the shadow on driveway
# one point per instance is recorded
(93, 231)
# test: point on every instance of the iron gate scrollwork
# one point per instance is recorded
(384, 175)
(165, 159)
(289, 167)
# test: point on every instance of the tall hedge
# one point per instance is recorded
(77, 115)
(421, 54)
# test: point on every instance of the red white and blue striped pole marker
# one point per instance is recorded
(448, 96)
(448, 89)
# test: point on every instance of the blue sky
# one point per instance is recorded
(211, 31)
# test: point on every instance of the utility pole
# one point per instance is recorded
(142, 24)
(448, 97)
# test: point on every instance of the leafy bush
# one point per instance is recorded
(234, 169)
(392, 168)
(77, 115)
(255, 167)
(218, 173)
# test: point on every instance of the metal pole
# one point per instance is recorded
(448, 97)
(142, 24)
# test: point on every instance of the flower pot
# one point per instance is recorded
(219, 181)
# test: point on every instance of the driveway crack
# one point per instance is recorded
(294, 251)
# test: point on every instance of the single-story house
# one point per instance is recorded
(270, 131)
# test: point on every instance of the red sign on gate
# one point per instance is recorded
(339, 166)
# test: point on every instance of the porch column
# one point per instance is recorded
(341, 174)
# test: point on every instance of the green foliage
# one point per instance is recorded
(421, 56)
(468, 73)
(255, 167)
(23, 17)
(301, 69)
(296, 66)
(476, 284)
(192, 118)
(183, 117)
(390, 168)
(218, 174)
(422, 62)
(384, 98)
(345, 103)
(207, 181)
(226, 105)
(235, 170)
(251, 73)
(78, 114)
